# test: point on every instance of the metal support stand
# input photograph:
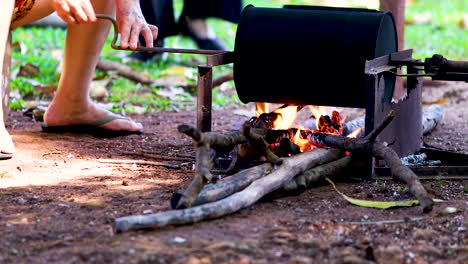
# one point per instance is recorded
(404, 134)
(204, 98)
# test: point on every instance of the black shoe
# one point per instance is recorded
(206, 44)
(147, 56)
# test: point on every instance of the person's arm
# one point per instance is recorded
(130, 20)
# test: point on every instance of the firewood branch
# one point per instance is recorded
(258, 141)
(305, 180)
(289, 168)
(204, 142)
(379, 150)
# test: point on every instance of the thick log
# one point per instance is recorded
(379, 150)
(289, 168)
(232, 184)
(305, 180)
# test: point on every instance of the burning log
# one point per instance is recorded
(369, 144)
(289, 168)
(258, 142)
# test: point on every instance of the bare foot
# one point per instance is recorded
(57, 116)
(6, 142)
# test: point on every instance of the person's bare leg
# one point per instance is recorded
(6, 143)
(71, 104)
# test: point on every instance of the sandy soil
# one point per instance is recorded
(57, 202)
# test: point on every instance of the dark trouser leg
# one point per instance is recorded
(161, 14)
(228, 10)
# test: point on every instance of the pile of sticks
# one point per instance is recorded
(243, 189)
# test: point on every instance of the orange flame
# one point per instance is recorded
(286, 117)
(355, 133)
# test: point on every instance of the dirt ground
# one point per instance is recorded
(57, 203)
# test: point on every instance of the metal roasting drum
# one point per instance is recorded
(310, 54)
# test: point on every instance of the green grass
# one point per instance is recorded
(442, 35)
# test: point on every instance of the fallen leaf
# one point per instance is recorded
(373, 204)
(170, 80)
(28, 70)
(440, 101)
(173, 93)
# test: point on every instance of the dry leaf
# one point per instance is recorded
(28, 70)
(170, 80)
(464, 22)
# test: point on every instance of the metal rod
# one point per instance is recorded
(155, 49)
(204, 98)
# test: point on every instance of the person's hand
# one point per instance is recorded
(74, 11)
(132, 23)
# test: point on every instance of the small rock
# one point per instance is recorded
(427, 250)
(300, 260)
(425, 234)
(354, 260)
(195, 260)
(284, 235)
(219, 246)
(309, 242)
(280, 241)
(366, 240)
(243, 260)
(259, 261)
(21, 201)
(179, 240)
(462, 253)
(392, 254)
(125, 183)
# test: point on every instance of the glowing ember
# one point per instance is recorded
(328, 121)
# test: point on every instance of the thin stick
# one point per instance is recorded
(139, 162)
(154, 156)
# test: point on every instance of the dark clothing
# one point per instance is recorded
(161, 12)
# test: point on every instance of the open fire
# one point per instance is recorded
(328, 120)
